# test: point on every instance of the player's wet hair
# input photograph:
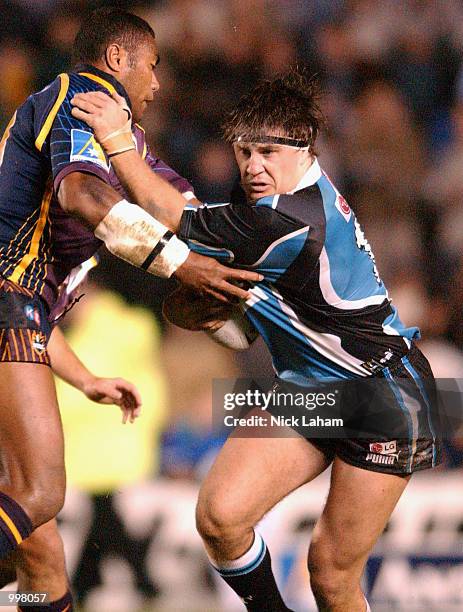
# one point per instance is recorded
(106, 26)
(287, 106)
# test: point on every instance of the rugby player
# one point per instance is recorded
(59, 201)
(325, 315)
(39, 564)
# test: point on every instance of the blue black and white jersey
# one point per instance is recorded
(322, 308)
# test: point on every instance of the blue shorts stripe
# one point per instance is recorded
(419, 384)
(398, 395)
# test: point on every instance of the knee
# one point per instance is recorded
(43, 545)
(41, 501)
(44, 504)
(41, 554)
(331, 573)
(217, 520)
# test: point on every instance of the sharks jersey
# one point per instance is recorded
(40, 243)
(322, 308)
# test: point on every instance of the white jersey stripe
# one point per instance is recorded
(326, 344)
(330, 295)
(274, 244)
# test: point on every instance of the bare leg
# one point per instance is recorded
(8, 570)
(358, 507)
(40, 563)
(31, 440)
(249, 476)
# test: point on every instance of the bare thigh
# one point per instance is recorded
(251, 475)
(31, 440)
(358, 507)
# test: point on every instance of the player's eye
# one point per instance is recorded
(268, 152)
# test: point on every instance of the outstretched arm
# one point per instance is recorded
(108, 118)
(132, 234)
(68, 366)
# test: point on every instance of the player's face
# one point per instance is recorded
(267, 169)
(139, 78)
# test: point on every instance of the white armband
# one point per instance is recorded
(237, 333)
(132, 234)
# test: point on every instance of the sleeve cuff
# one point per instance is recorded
(80, 167)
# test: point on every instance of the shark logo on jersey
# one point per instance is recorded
(84, 148)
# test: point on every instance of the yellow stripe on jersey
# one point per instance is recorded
(145, 148)
(11, 526)
(99, 80)
(6, 133)
(14, 248)
(46, 127)
(37, 235)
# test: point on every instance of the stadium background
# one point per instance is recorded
(392, 71)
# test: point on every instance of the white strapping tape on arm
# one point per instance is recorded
(132, 234)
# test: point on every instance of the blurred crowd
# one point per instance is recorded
(392, 76)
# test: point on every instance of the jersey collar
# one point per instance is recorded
(312, 175)
(103, 78)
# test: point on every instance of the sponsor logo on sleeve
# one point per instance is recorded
(343, 207)
(84, 148)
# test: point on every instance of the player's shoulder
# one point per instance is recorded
(82, 82)
(304, 206)
(334, 203)
(67, 85)
(48, 94)
(41, 107)
(51, 99)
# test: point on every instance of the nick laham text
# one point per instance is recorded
(281, 421)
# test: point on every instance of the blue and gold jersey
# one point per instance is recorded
(322, 308)
(39, 242)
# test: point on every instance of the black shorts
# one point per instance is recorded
(24, 326)
(391, 421)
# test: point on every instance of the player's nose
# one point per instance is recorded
(255, 164)
(154, 83)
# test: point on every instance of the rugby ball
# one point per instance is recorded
(237, 333)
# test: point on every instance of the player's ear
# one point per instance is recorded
(305, 158)
(115, 57)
